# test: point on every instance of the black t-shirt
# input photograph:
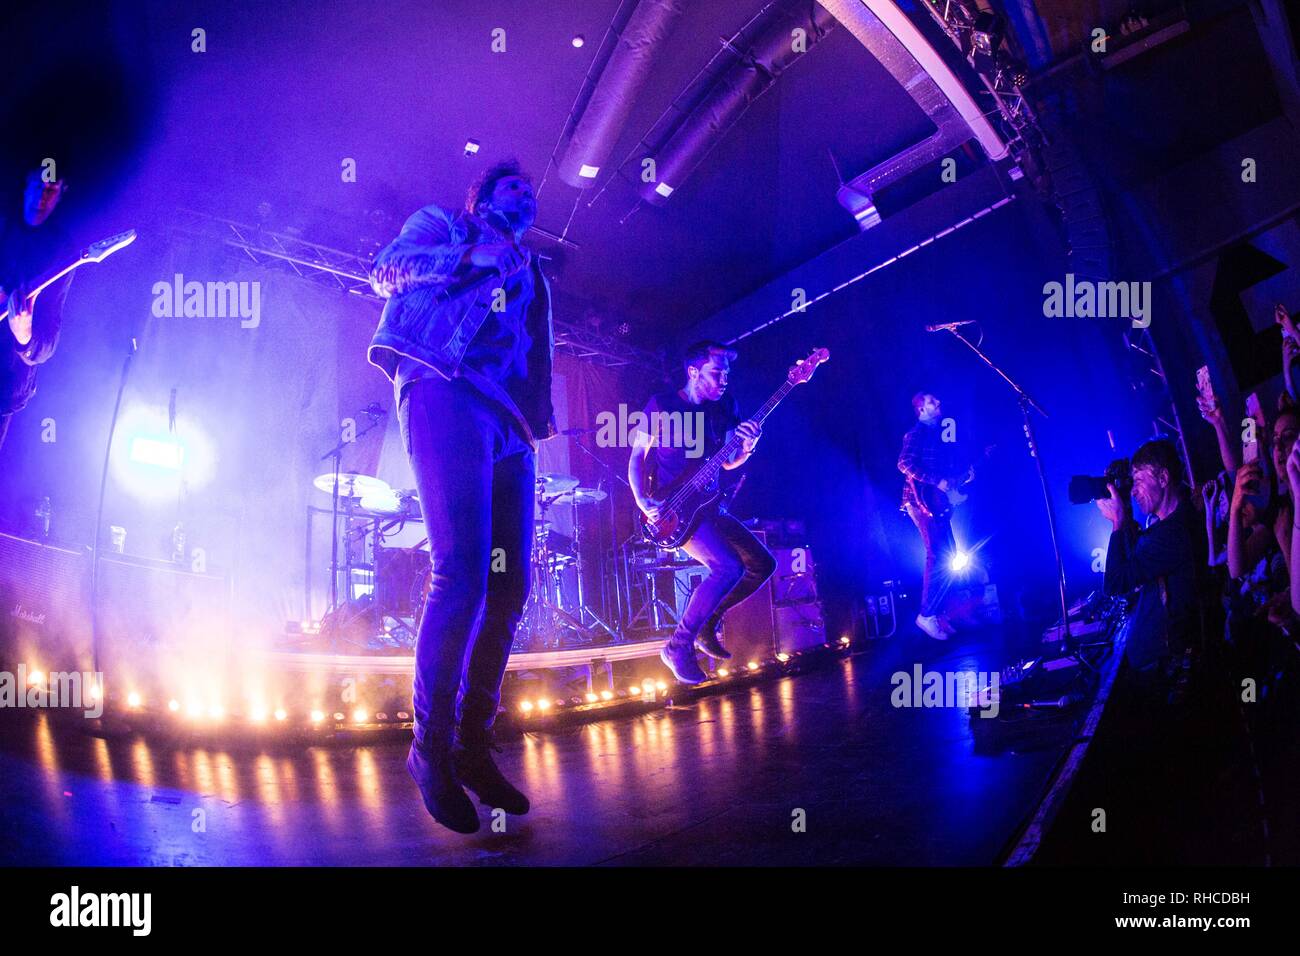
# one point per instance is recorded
(687, 433)
(499, 350)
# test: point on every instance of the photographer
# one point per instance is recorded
(1150, 739)
(1160, 561)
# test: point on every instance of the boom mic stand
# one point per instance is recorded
(1026, 403)
(336, 454)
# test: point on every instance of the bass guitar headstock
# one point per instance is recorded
(803, 369)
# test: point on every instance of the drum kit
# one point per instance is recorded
(378, 590)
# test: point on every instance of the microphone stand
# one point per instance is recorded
(96, 636)
(606, 472)
(1026, 403)
(336, 453)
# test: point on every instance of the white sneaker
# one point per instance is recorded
(932, 627)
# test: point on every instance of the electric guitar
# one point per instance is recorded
(687, 500)
(937, 503)
(95, 252)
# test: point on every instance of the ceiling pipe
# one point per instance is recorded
(603, 115)
(776, 44)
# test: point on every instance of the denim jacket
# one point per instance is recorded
(432, 317)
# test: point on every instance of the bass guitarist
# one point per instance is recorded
(737, 562)
(930, 465)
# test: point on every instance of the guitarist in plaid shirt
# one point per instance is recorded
(931, 467)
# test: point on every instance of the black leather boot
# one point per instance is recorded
(443, 796)
(475, 768)
(708, 642)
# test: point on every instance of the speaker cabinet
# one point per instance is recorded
(797, 610)
(162, 622)
(44, 602)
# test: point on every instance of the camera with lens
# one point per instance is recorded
(1086, 488)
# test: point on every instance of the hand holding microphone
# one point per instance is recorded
(505, 257)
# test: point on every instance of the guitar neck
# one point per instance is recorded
(49, 278)
(710, 468)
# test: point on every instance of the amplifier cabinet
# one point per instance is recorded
(784, 615)
(162, 625)
(44, 605)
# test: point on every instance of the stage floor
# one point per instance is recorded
(716, 782)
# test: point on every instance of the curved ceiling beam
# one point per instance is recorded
(857, 17)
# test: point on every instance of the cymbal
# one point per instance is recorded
(352, 485)
(584, 496)
(552, 484)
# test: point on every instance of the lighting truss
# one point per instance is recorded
(1004, 81)
(347, 272)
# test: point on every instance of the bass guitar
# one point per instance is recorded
(687, 500)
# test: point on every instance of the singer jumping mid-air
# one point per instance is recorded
(466, 339)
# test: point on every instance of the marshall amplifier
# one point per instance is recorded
(44, 605)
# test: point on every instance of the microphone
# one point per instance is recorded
(948, 326)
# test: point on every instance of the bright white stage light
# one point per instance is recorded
(151, 461)
(959, 561)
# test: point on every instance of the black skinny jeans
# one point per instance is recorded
(474, 472)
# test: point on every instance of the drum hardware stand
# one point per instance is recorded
(542, 616)
(615, 479)
(654, 608)
(584, 612)
(335, 455)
